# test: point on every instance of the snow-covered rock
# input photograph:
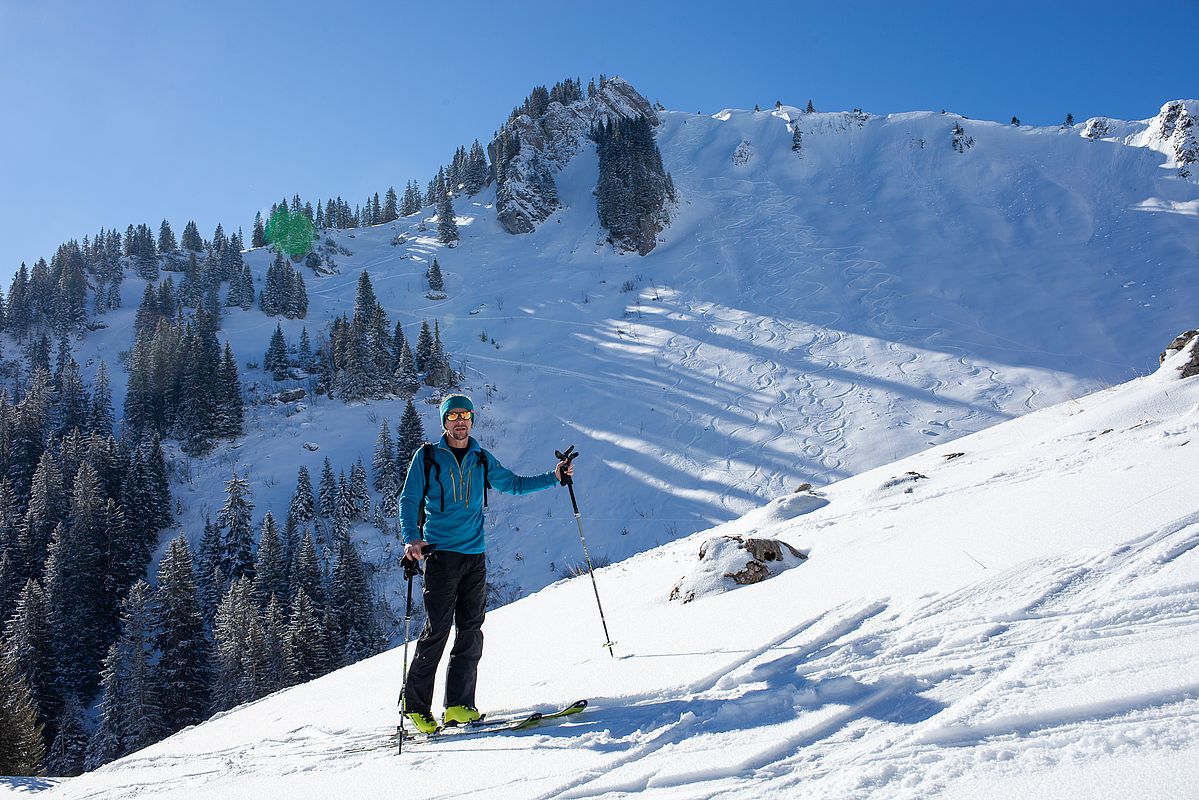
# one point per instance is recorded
(1173, 132)
(1183, 354)
(726, 562)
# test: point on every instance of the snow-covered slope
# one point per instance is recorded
(1019, 622)
(804, 318)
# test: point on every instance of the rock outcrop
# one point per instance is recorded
(1180, 343)
(527, 151)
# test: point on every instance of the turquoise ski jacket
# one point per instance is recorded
(459, 528)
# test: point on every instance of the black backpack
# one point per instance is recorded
(429, 452)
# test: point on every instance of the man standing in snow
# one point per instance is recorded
(450, 479)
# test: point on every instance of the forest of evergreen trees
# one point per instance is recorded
(80, 512)
(467, 173)
(99, 657)
(365, 357)
(633, 188)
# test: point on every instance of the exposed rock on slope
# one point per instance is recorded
(527, 151)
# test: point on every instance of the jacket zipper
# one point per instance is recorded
(461, 480)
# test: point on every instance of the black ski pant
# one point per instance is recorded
(455, 595)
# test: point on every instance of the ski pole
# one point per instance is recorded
(411, 570)
(569, 456)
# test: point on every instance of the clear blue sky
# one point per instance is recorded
(129, 112)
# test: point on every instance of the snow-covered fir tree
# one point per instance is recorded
(271, 568)
(181, 641)
(407, 378)
(436, 281)
(131, 709)
(305, 644)
(275, 361)
(302, 507)
(234, 518)
(328, 491)
(68, 751)
(409, 438)
(447, 227)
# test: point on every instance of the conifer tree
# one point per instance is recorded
(166, 239)
(343, 515)
(305, 646)
(275, 361)
(447, 228)
(411, 436)
(424, 346)
(436, 282)
(398, 340)
(21, 746)
(796, 137)
(210, 579)
(100, 416)
(191, 238)
(328, 491)
(183, 673)
(46, 509)
(307, 574)
(302, 502)
(304, 352)
(811, 109)
(234, 518)
(27, 435)
(354, 633)
(476, 169)
(231, 634)
(27, 664)
(230, 415)
(383, 463)
(80, 605)
(246, 288)
(271, 568)
(258, 237)
(131, 711)
(359, 495)
(407, 379)
(69, 749)
(391, 209)
(274, 661)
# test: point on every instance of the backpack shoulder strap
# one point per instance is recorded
(484, 458)
(428, 452)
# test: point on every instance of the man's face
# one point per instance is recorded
(457, 427)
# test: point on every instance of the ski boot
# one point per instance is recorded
(459, 715)
(423, 722)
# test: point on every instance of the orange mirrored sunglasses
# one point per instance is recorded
(450, 416)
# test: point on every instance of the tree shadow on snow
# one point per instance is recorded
(18, 785)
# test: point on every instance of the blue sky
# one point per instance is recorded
(135, 111)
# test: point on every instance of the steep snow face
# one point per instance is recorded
(526, 190)
(1174, 133)
(1024, 622)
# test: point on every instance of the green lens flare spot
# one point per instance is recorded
(290, 232)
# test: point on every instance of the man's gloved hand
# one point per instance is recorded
(413, 553)
(564, 470)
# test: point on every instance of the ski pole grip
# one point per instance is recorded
(569, 456)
